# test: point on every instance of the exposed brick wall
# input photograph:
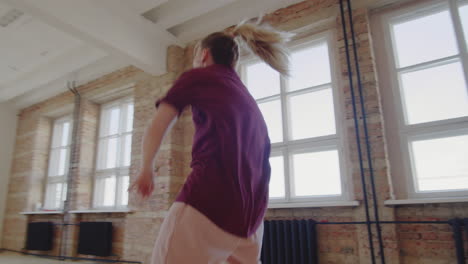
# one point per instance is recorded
(429, 243)
(132, 239)
(87, 142)
(135, 233)
(26, 180)
(7, 138)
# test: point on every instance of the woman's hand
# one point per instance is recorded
(144, 183)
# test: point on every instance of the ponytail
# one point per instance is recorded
(267, 43)
(264, 41)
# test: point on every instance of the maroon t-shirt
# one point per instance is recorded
(231, 149)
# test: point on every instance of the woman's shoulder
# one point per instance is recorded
(206, 71)
(198, 71)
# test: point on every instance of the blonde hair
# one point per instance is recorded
(267, 43)
(262, 40)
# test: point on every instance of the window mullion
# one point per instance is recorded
(103, 126)
(460, 36)
(120, 141)
(287, 174)
(285, 119)
(67, 160)
(310, 89)
(103, 161)
(268, 99)
(284, 109)
(118, 182)
(429, 64)
(59, 136)
(123, 118)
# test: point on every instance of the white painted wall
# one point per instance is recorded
(7, 139)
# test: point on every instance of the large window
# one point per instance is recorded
(426, 48)
(59, 156)
(114, 154)
(301, 113)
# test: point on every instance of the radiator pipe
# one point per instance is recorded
(366, 135)
(73, 148)
(356, 127)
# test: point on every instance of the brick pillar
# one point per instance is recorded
(81, 192)
(377, 141)
(27, 176)
(142, 226)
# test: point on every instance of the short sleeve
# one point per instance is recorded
(183, 92)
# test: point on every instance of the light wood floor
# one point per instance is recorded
(14, 258)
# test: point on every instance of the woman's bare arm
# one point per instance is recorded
(152, 139)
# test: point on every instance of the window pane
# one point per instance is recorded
(441, 164)
(54, 160)
(58, 195)
(49, 202)
(464, 18)
(261, 80)
(312, 114)
(65, 133)
(127, 150)
(316, 173)
(424, 39)
(129, 123)
(109, 191)
(435, 94)
(62, 161)
(64, 193)
(124, 190)
(272, 114)
(111, 153)
(101, 155)
(277, 188)
(105, 191)
(53, 197)
(309, 67)
(113, 121)
(56, 135)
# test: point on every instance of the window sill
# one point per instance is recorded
(312, 204)
(101, 211)
(426, 201)
(41, 212)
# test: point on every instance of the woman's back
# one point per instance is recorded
(229, 181)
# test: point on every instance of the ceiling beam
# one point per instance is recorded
(63, 65)
(141, 6)
(106, 25)
(176, 12)
(92, 71)
(227, 16)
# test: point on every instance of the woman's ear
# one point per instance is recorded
(205, 56)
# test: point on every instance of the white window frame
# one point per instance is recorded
(399, 134)
(60, 178)
(118, 172)
(288, 147)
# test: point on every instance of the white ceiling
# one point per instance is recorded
(55, 41)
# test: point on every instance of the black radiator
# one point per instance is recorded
(289, 242)
(465, 222)
(40, 236)
(95, 238)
